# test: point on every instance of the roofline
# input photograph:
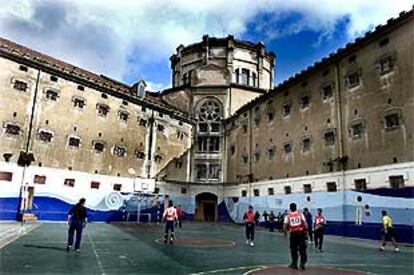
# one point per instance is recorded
(31, 62)
(332, 58)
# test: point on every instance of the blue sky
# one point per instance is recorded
(130, 40)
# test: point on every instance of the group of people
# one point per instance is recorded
(303, 228)
(270, 220)
(301, 225)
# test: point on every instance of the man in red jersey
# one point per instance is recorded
(319, 225)
(170, 216)
(249, 219)
(295, 222)
(179, 217)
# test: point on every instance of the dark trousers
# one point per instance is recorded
(310, 233)
(298, 244)
(250, 231)
(169, 226)
(271, 226)
(179, 223)
(319, 238)
(75, 226)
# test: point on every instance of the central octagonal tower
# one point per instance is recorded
(211, 80)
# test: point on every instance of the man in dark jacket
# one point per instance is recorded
(77, 218)
(309, 221)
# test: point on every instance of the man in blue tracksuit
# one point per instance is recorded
(309, 221)
(77, 218)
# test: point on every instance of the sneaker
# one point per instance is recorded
(251, 244)
(302, 267)
(247, 242)
(397, 249)
(382, 248)
(293, 266)
(68, 248)
(77, 250)
(171, 241)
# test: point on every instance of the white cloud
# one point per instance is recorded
(118, 38)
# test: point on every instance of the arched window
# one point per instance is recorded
(209, 116)
(209, 125)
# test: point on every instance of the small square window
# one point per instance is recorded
(327, 91)
(102, 109)
(270, 191)
(286, 110)
(271, 153)
(52, 95)
(6, 176)
(12, 129)
(81, 88)
(143, 122)
(123, 116)
(95, 184)
(329, 138)
(160, 127)
(98, 147)
(117, 187)
(288, 190)
(232, 150)
(287, 147)
(45, 136)
(74, 142)
(256, 192)
(396, 182)
(245, 158)
(244, 127)
(392, 121)
(139, 154)
(331, 186)
(69, 182)
(385, 66)
(353, 80)
(304, 102)
(119, 151)
(103, 95)
(39, 179)
(244, 193)
(79, 103)
(270, 116)
(143, 109)
(23, 68)
(183, 190)
(307, 188)
(20, 85)
(360, 184)
(53, 78)
(306, 144)
(357, 130)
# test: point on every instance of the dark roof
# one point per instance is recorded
(380, 30)
(23, 54)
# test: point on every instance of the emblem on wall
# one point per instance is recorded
(114, 200)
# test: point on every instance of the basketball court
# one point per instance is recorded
(201, 248)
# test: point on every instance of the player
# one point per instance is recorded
(179, 217)
(319, 225)
(170, 216)
(249, 219)
(296, 224)
(387, 231)
(77, 219)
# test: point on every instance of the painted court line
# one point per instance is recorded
(21, 231)
(96, 254)
(230, 269)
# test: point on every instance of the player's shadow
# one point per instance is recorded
(56, 248)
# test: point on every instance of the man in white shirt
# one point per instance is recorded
(170, 216)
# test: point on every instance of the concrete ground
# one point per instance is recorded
(200, 249)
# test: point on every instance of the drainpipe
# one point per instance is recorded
(23, 191)
(250, 155)
(150, 142)
(338, 106)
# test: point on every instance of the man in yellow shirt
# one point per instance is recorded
(387, 231)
